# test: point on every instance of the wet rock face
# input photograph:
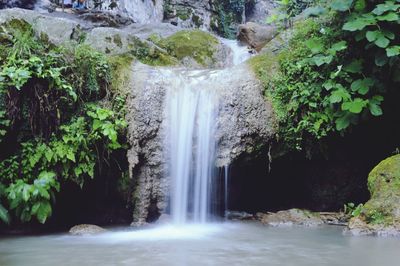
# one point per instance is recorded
(244, 121)
(381, 214)
(28, 4)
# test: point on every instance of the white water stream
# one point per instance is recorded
(191, 110)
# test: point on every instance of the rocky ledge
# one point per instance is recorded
(298, 217)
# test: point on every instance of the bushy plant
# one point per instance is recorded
(51, 91)
(337, 69)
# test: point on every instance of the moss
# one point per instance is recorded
(197, 44)
(384, 186)
(117, 40)
(120, 72)
(197, 20)
(124, 185)
(265, 66)
(18, 24)
(184, 14)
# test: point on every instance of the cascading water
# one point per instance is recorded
(191, 112)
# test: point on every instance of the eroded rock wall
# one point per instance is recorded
(245, 120)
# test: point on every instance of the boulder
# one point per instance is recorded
(86, 229)
(381, 214)
(291, 217)
(256, 36)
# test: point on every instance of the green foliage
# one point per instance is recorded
(228, 13)
(51, 91)
(353, 210)
(337, 69)
(289, 9)
(90, 71)
(197, 44)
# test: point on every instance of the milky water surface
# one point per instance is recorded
(212, 244)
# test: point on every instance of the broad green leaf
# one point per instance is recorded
(43, 212)
(382, 41)
(362, 86)
(320, 60)
(372, 35)
(339, 46)
(354, 67)
(381, 59)
(360, 5)
(314, 11)
(26, 192)
(4, 216)
(355, 106)
(375, 109)
(341, 5)
(96, 124)
(387, 6)
(359, 23)
(342, 122)
(315, 46)
(393, 51)
(71, 155)
(388, 17)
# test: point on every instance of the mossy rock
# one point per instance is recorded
(196, 44)
(384, 186)
(265, 66)
(381, 214)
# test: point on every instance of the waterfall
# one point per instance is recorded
(191, 112)
(226, 192)
(191, 109)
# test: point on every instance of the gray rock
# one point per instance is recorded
(245, 120)
(261, 10)
(255, 35)
(291, 217)
(86, 229)
(59, 30)
(380, 215)
(237, 215)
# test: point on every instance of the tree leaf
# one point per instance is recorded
(354, 67)
(315, 46)
(393, 51)
(342, 123)
(341, 5)
(43, 212)
(355, 106)
(387, 6)
(382, 41)
(359, 23)
(388, 17)
(4, 216)
(375, 109)
(362, 86)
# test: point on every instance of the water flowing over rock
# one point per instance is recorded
(244, 120)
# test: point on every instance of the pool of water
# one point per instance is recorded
(213, 244)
